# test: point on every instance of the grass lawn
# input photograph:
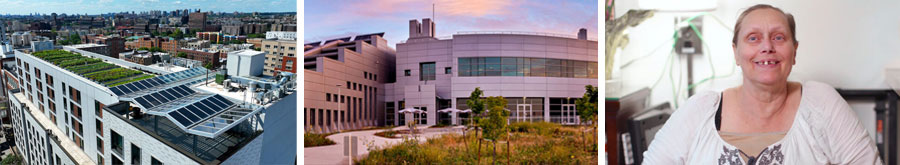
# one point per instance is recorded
(531, 143)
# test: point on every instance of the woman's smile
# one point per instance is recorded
(767, 63)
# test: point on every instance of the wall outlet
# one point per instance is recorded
(688, 42)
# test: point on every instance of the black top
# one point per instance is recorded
(719, 113)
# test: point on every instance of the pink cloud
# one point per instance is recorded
(452, 16)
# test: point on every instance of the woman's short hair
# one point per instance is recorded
(788, 16)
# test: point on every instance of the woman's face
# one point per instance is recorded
(765, 50)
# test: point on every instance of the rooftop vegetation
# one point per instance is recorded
(92, 68)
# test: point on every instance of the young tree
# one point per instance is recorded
(177, 35)
(587, 109)
(495, 124)
(182, 55)
(477, 106)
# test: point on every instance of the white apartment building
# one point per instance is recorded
(63, 113)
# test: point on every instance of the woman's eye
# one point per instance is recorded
(752, 38)
(779, 38)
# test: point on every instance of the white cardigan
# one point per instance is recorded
(825, 131)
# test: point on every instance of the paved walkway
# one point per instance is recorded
(334, 154)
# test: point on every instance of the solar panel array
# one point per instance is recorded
(136, 86)
(164, 96)
(172, 77)
(157, 81)
(200, 110)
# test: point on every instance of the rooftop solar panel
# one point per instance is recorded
(190, 75)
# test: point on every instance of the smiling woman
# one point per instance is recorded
(767, 119)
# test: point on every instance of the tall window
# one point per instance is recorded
(135, 154)
(426, 71)
(525, 66)
(117, 142)
(100, 144)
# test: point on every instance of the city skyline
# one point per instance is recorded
(81, 7)
(345, 18)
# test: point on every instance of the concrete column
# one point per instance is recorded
(453, 118)
(547, 109)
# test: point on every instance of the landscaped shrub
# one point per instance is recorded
(82, 69)
(83, 61)
(560, 145)
(112, 74)
(312, 140)
(91, 68)
(135, 78)
(540, 128)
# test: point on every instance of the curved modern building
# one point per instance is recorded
(539, 74)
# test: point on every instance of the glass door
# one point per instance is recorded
(568, 114)
(523, 112)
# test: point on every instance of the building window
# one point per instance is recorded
(97, 109)
(116, 142)
(447, 70)
(328, 97)
(135, 154)
(426, 71)
(49, 80)
(51, 93)
(99, 125)
(154, 161)
(407, 72)
(77, 127)
(524, 66)
(75, 95)
(99, 145)
(76, 111)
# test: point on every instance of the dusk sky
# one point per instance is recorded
(108, 6)
(340, 18)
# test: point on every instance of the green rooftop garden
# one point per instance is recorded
(91, 68)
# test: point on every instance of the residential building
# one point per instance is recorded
(280, 56)
(69, 116)
(201, 44)
(142, 57)
(232, 29)
(257, 42)
(197, 20)
(281, 35)
(115, 44)
(214, 37)
(206, 56)
(167, 44)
